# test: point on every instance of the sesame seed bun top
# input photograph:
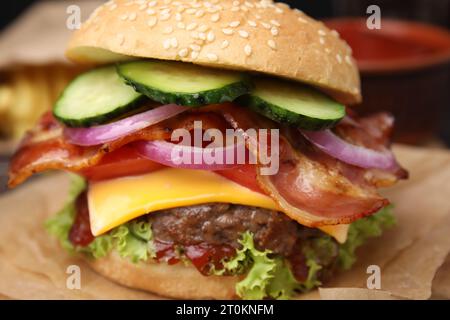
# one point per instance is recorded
(253, 35)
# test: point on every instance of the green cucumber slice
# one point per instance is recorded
(294, 104)
(183, 83)
(96, 97)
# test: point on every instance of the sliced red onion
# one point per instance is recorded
(107, 132)
(358, 156)
(188, 157)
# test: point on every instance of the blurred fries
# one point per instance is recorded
(28, 91)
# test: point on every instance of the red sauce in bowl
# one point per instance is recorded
(398, 45)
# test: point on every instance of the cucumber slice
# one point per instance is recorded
(294, 104)
(183, 83)
(96, 97)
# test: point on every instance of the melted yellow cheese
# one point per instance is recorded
(116, 201)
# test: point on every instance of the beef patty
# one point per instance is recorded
(222, 223)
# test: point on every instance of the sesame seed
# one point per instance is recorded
(195, 47)
(335, 33)
(152, 21)
(164, 17)
(248, 50)
(194, 55)
(191, 11)
(168, 30)
(180, 9)
(183, 52)
(181, 25)
(210, 37)
(174, 42)
(151, 4)
(236, 3)
(211, 56)
(248, 4)
(257, 16)
(244, 8)
(243, 34)
(132, 16)
(338, 58)
(302, 20)
(202, 35)
(275, 23)
(234, 9)
(207, 4)
(298, 11)
(251, 23)
(113, 7)
(178, 16)
(327, 50)
(234, 24)
(191, 26)
(150, 12)
(166, 44)
(348, 60)
(322, 40)
(165, 11)
(272, 44)
(225, 44)
(199, 13)
(196, 5)
(215, 17)
(194, 34)
(123, 17)
(274, 31)
(203, 28)
(278, 10)
(167, 1)
(321, 32)
(265, 25)
(227, 31)
(142, 7)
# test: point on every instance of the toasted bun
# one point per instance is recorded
(258, 36)
(174, 281)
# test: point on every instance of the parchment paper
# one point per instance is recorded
(33, 266)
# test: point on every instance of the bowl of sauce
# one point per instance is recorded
(404, 69)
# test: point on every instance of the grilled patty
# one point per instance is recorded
(221, 223)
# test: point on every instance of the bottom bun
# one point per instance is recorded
(174, 281)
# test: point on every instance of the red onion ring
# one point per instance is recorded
(358, 156)
(168, 154)
(107, 132)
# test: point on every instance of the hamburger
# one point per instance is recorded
(151, 212)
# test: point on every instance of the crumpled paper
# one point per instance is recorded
(33, 266)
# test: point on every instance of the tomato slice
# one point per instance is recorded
(245, 175)
(125, 161)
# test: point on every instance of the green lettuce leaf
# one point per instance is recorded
(132, 240)
(360, 231)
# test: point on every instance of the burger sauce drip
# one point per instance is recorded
(80, 234)
(203, 256)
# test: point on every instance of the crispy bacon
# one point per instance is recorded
(45, 147)
(311, 187)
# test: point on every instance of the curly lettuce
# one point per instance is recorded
(131, 240)
(360, 231)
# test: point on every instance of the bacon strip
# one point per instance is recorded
(311, 187)
(45, 148)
